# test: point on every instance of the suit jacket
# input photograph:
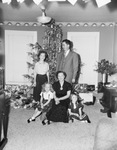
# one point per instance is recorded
(68, 64)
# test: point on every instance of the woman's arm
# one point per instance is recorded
(80, 113)
(41, 100)
(48, 76)
(65, 97)
(69, 111)
(35, 73)
(49, 99)
(47, 73)
(55, 98)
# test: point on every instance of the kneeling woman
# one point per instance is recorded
(62, 91)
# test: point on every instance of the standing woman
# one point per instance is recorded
(41, 74)
(62, 91)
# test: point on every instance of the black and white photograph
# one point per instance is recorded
(58, 74)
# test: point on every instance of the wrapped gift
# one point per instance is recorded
(87, 97)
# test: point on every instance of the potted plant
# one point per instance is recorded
(106, 68)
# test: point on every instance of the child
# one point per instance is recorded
(76, 109)
(45, 103)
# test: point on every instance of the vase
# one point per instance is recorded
(104, 78)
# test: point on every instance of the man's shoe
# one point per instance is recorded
(104, 110)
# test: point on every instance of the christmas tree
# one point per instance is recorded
(51, 44)
(32, 55)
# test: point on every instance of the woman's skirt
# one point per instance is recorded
(40, 80)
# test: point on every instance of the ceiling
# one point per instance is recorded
(60, 11)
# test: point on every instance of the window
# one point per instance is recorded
(16, 48)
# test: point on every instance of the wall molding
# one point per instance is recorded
(64, 24)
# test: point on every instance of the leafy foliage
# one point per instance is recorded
(104, 66)
(34, 51)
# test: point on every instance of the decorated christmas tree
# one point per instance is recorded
(32, 59)
(51, 44)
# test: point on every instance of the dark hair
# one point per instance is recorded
(60, 72)
(68, 42)
(44, 52)
(79, 99)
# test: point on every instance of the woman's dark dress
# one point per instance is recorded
(58, 113)
(40, 80)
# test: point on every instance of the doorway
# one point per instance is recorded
(87, 45)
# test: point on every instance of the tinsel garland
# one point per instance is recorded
(52, 44)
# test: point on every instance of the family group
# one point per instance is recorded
(58, 102)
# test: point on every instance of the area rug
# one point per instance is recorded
(56, 136)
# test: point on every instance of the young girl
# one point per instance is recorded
(76, 109)
(45, 103)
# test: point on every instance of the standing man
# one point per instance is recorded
(68, 61)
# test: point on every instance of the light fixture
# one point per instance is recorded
(43, 19)
(103, 24)
(56, 0)
(69, 24)
(85, 1)
(9, 23)
(34, 24)
(85, 25)
(94, 24)
(18, 24)
(77, 24)
(6, 1)
(20, 1)
(72, 1)
(101, 3)
(111, 24)
(37, 1)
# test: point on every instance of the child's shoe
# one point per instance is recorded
(88, 121)
(43, 122)
(71, 120)
(30, 120)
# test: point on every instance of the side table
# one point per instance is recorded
(109, 99)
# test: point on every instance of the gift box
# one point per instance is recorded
(87, 97)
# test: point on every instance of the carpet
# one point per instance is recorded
(56, 136)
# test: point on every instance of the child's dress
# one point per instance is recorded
(45, 96)
(76, 110)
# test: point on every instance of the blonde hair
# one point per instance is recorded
(43, 87)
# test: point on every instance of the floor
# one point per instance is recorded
(56, 136)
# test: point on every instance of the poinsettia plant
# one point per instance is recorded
(104, 66)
